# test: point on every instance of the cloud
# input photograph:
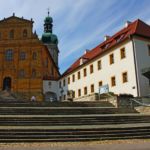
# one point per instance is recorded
(79, 24)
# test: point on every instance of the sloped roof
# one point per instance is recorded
(137, 27)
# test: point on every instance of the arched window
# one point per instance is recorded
(22, 55)
(25, 33)
(9, 55)
(21, 73)
(11, 34)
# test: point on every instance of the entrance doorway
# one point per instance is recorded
(7, 83)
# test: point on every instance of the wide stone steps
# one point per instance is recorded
(56, 104)
(74, 134)
(75, 121)
(71, 121)
(62, 111)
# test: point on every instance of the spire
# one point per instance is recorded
(48, 23)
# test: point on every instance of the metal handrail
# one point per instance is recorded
(143, 104)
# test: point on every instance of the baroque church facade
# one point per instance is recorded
(27, 61)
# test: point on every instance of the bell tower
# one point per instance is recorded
(49, 39)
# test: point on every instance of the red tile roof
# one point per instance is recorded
(137, 27)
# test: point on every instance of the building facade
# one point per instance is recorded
(117, 62)
(25, 60)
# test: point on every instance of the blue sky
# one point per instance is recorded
(79, 24)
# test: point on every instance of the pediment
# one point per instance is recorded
(14, 19)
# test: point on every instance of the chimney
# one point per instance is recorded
(127, 23)
(86, 51)
(106, 37)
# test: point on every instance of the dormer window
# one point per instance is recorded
(11, 34)
(25, 33)
(83, 60)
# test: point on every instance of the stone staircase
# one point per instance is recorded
(23, 121)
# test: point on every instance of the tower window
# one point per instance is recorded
(111, 59)
(11, 34)
(25, 33)
(9, 55)
(122, 53)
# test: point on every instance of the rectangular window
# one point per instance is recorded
(124, 77)
(79, 76)
(85, 90)
(92, 88)
(74, 94)
(79, 92)
(149, 50)
(64, 97)
(84, 72)
(99, 65)
(64, 82)
(22, 55)
(111, 59)
(100, 83)
(68, 80)
(60, 84)
(91, 69)
(73, 78)
(113, 81)
(122, 53)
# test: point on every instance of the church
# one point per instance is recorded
(27, 61)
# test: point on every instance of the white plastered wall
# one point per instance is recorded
(143, 61)
(50, 86)
(105, 74)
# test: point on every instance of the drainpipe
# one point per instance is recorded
(135, 63)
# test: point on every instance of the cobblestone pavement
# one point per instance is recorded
(102, 145)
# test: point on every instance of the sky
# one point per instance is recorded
(79, 24)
